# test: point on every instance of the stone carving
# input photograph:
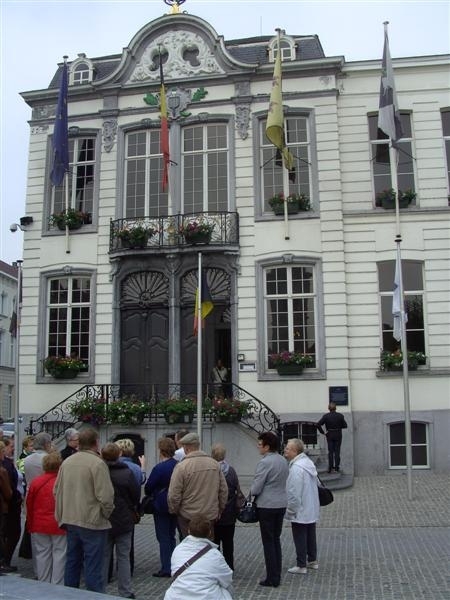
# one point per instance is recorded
(180, 46)
(109, 134)
(242, 120)
(38, 129)
(43, 112)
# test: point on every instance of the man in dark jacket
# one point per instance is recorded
(335, 423)
(126, 499)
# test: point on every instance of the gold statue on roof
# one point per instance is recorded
(175, 6)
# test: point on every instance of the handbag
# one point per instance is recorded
(147, 505)
(248, 513)
(325, 495)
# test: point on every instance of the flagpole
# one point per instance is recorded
(66, 190)
(404, 349)
(390, 123)
(17, 355)
(286, 219)
(199, 348)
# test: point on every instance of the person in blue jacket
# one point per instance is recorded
(157, 485)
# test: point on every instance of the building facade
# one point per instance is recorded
(118, 292)
(8, 300)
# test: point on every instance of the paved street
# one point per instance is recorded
(372, 543)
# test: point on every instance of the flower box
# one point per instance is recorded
(289, 369)
(294, 203)
(179, 418)
(135, 237)
(197, 238)
(228, 418)
(66, 374)
(393, 361)
(196, 232)
(386, 198)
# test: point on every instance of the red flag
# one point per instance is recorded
(164, 135)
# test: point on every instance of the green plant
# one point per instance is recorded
(71, 218)
(228, 407)
(300, 199)
(389, 194)
(56, 365)
(194, 227)
(179, 406)
(291, 358)
(136, 234)
(127, 410)
(89, 410)
(389, 360)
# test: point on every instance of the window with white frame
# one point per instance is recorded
(445, 116)
(412, 272)
(9, 401)
(143, 174)
(81, 177)
(2, 349)
(205, 167)
(287, 48)
(81, 74)
(275, 178)
(419, 445)
(381, 165)
(69, 317)
(290, 309)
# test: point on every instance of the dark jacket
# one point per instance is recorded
(335, 423)
(228, 516)
(126, 498)
(67, 451)
(158, 484)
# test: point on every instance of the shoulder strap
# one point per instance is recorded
(192, 560)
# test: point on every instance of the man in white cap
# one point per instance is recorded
(197, 486)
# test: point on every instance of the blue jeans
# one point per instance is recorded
(165, 527)
(271, 525)
(85, 550)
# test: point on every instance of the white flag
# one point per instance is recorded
(397, 303)
(389, 115)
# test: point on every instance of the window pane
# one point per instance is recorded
(418, 433)
(397, 432)
(419, 456)
(398, 456)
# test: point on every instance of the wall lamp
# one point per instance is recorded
(24, 222)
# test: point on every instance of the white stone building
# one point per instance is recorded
(8, 299)
(320, 283)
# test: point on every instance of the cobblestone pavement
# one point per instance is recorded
(373, 544)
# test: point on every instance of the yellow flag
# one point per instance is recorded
(275, 118)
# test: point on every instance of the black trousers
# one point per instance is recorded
(304, 535)
(12, 530)
(271, 525)
(224, 537)
(334, 451)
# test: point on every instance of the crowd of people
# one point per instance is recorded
(82, 505)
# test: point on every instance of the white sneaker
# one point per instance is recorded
(313, 565)
(298, 570)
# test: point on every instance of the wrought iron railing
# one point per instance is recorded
(254, 414)
(167, 231)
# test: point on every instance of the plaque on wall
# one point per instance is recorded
(338, 394)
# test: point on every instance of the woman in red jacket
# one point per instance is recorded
(48, 541)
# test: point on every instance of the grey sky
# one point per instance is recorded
(35, 35)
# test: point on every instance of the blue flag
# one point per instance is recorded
(60, 141)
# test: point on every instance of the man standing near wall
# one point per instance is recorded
(84, 498)
(335, 423)
(197, 486)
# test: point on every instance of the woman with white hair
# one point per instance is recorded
(303, 506)
(72, 437)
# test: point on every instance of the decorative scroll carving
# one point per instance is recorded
(144, 289)
(109, 134)
(188, 56)
(43, 112)
(38, 129)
